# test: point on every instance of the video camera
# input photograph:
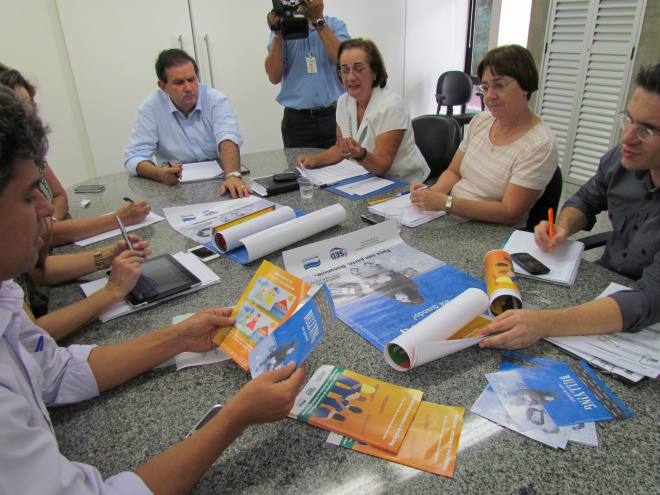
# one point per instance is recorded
(292, 26)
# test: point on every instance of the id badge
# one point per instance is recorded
(311, 64)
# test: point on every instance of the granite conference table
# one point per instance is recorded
(125, 427)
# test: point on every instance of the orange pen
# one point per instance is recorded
(551, 226)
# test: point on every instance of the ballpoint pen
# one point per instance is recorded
(126, 198)
(551, 227)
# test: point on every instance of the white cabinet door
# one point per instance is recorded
(233, 36)
(113, 46)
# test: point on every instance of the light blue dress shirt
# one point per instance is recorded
(301, 90)
(162, 131)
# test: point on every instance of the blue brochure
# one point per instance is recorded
(294, 339)
(563, 394)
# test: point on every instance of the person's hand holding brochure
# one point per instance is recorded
(294, 339)
(270, 298)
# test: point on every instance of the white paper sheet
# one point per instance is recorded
(563, 262)
(412, 216)
(427, 340)
(637, 352)
(197, 171)
(151, 218)
(190, 261)
(366, 186)
(332, 174)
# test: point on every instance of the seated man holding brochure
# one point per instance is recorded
(184, 121)
(35, 373)
(627, 185)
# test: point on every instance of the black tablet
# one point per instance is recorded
(161, 276)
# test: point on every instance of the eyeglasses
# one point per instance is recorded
(643, 132)
(497, 87)
(345, 71)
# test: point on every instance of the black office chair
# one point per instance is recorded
(455, 88)
(437, 137)
(549, 199)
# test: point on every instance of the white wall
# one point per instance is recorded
(32, 42)
(436, 31)
(419, 40)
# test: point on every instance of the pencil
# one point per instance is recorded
(551, 226)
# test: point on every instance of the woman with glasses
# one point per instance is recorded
(373, 122)
(508, 155)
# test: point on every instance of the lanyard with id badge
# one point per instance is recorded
(311, 63)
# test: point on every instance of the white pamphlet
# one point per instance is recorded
(332, 174)
(151, 218)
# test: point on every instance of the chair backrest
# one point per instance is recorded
(549, 199)
(437, 137)
(454, 88)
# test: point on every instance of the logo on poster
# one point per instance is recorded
(311, 262)
(336, 253)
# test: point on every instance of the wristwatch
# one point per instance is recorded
(233, 174)
(358, 159)
(319, 23)
(448, 204)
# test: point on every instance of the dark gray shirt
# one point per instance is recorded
(633, 207)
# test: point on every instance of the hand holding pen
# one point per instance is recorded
(133, 212)
(548, 234)
(170, 175)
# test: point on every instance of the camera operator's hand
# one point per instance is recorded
(273, 21)
(312, 10)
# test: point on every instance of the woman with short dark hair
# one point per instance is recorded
(508, 155)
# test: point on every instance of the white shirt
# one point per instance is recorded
(30, 380)
(386, 111)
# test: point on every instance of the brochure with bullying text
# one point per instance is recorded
(560, 395)
(431, 443)
(362, 408)
(296, 337)
(270, 298)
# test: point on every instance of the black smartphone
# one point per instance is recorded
(284, 177)
(207, 417)
(372, 219)
(530, 264)
(94, 188)
(203, 253)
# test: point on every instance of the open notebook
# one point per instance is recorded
(563, 262)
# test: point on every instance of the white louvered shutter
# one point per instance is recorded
(590, 47)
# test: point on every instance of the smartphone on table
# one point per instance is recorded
(530, 264)
(204, 253)
(92, 188)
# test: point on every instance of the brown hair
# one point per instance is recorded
(376, 61)
(514, 61)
